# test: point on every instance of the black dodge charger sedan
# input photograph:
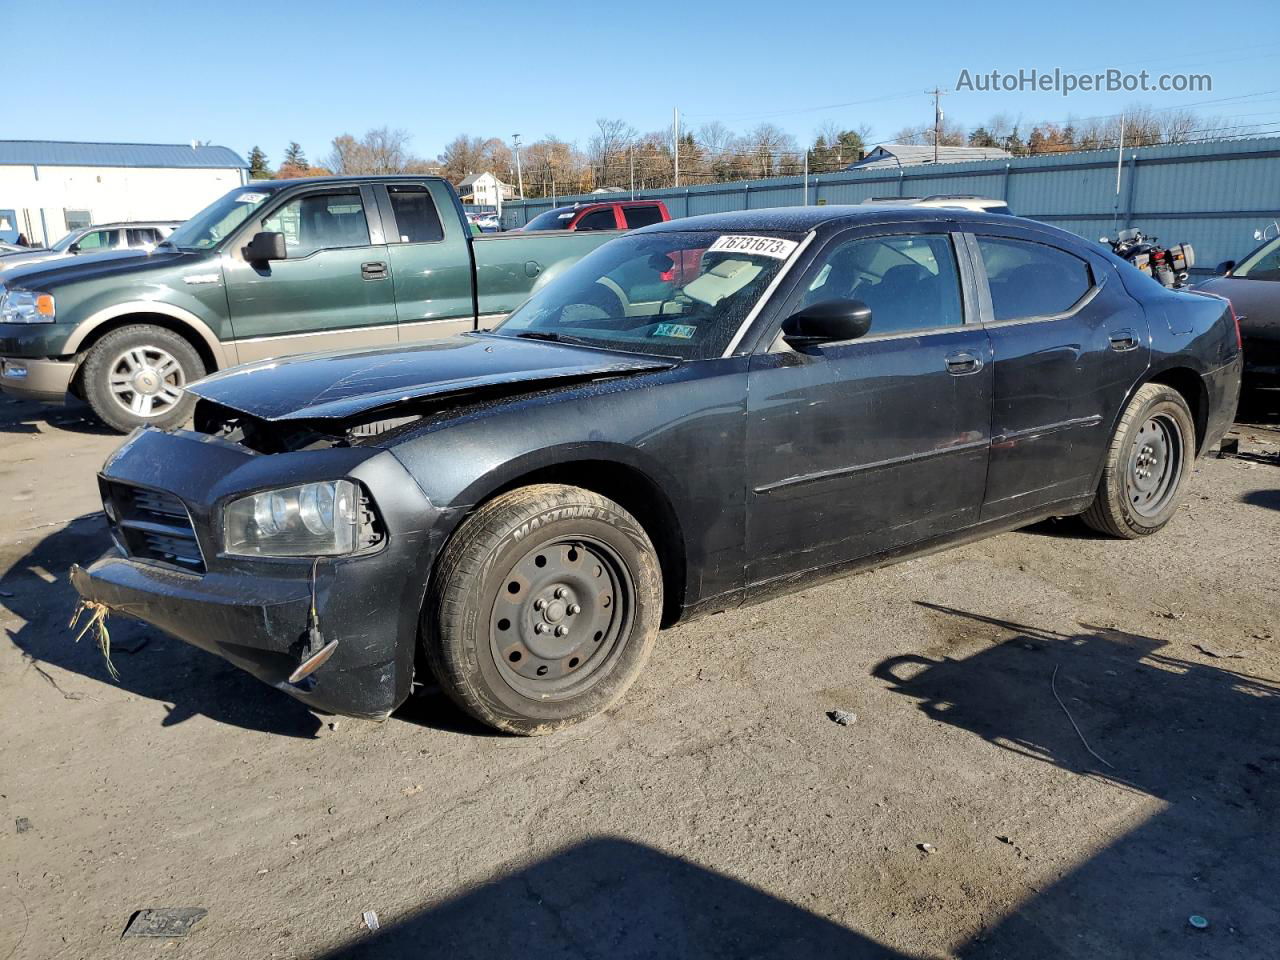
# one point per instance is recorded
(699, 413)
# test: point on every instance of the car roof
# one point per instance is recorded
(804, 219)
(134, 223)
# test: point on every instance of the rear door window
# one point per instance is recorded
(1032, 279)
(598, 220)
(142, 236)
(320, 221)
(417, 220)
(641, 216)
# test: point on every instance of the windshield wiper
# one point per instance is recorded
(550, 337)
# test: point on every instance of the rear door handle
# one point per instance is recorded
(1123, 340)
(373, 270)
(962, 363)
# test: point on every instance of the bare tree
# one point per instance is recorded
(382, 150)
(608, 149)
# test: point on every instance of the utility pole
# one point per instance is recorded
(675, 130)
(519, 173)
(937, 120)
(806, 177)
(631, 152)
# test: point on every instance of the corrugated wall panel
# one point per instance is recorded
(1212, 195)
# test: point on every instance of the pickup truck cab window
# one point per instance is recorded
(641, 216)
(1032, 279)
(599, 220)
(320, 221)
(669, 294)
(417, 220)
(910, 282)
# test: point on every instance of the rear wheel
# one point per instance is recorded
(544, 608)
(1148, 462)
(135, 377)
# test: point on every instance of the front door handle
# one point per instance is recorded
(1123, 341)
(373, 270)
(963, 363)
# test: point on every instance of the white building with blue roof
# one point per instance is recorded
(48, 187)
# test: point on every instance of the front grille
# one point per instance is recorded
(152, 525)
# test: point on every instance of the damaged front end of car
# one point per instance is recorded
(283, 533)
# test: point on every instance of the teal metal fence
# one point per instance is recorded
(1212, 195)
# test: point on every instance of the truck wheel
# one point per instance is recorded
(1148, 462)
(134, 377)
(544, 608)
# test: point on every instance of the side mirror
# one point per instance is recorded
(830, 321)
(74, 248)
(266, 246)
(1225, 267)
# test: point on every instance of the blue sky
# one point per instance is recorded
(266, 74)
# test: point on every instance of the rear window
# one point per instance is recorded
(641, 216)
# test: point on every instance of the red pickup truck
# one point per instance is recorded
(604, 215)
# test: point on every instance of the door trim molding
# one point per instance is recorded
(804, 478)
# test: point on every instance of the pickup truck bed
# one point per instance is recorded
(270, 269)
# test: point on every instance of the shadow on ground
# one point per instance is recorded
(26, 416)
(1203, 738)
(188, 681)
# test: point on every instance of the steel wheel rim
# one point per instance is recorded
(146, 381)
(1155, 463)
(561, 617)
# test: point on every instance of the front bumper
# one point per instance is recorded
(254, 612)
(36, 379)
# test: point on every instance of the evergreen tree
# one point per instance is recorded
(294, 157)
(258, 169)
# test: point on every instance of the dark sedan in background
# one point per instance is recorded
(1253, 287)
(699, 413)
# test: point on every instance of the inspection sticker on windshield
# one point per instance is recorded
(681, 331)
(774, 247)
(251, 198)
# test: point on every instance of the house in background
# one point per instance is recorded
(486, 190)
(50, 187)
(894, 155)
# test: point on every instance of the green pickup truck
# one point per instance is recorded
(269, 269)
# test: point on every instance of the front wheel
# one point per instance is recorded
(544, 608)
(135, 377)
(1147, 466)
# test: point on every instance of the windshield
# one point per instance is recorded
(1262, 264)
(66, 241)
(215, 222)
(674, 294)
(551, 220)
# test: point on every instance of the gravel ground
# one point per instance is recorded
(718, 811)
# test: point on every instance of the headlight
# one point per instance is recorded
(310, 520)
(26, 306)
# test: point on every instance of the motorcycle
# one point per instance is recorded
(1169, 265)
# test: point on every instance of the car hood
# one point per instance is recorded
(345, 385)
(45, 273)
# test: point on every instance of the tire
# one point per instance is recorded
(133, 377)
(1148, 462)
(527, 565)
